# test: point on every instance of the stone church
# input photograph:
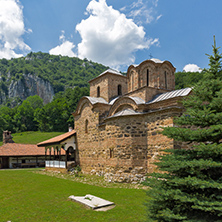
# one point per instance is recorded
(117, 127)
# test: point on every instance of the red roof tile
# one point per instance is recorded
(57, 139)
(16, 149)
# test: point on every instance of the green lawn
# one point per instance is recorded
(33, 137)
(26, 195)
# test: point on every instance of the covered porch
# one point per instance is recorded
(60, 152)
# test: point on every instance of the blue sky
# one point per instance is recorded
(113, 32)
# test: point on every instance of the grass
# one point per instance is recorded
(33, 137)
(34, 195)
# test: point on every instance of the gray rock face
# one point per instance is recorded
(31, 85)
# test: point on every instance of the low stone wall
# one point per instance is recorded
(61, 170)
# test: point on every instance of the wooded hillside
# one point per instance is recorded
(60, 71)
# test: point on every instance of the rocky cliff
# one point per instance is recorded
(29, 85)
(44, 75)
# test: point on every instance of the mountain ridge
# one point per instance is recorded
(44, 75)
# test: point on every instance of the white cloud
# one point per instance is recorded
(158, 17)
(11, 30)
(109, 37)
(65, 48)
(142, 11)
(191, 68)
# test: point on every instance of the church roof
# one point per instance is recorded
(125, 112)
(113, 71)
(156, 60)
(95, 100)
(136, 99)
(170, 95)
(110, 70)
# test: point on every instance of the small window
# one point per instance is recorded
(147, 77)
(111, 153)
(86, 126)
(119, 90)
(165, 76)
(98, 91)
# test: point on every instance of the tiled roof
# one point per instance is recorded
(57, 139)
(170, 95)
(16, 149)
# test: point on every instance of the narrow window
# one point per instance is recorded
(165, 76)
(98, 91)
(119, 90)
(147, 77)
(132, 81)
(111, 153)
(86, 126)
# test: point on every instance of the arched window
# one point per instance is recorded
(86, 126)
(147, 77)
(165, 76)
(119, 88)
(98, 91)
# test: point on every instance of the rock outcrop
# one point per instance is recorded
(31, 85)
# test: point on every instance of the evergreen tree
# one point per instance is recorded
(190, 185)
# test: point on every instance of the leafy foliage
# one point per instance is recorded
(61, 71)
(32, 115)
(191, 188)
(187, 79)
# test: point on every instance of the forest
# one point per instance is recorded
(61, 71)
(69, 78)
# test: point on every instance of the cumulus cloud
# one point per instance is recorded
(191, 68)
(64, 49)
(11, 30)
(109, 37)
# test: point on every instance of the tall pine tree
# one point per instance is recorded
(190, 187)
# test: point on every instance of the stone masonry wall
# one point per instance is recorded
(155, 140)
(123, 149)
(160, 75)
(113, 82)
(108, 84)
(102, 82)
(146, 93)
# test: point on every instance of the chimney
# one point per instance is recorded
(70, 129)
(7, 137)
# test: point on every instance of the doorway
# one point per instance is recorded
(5, 162)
